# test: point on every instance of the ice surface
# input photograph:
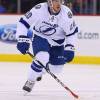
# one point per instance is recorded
(84, 80)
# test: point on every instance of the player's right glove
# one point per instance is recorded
(23, 44)
(69, 53)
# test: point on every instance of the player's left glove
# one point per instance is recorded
(68, 53)
(23, 44)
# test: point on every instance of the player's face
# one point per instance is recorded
(56, 5)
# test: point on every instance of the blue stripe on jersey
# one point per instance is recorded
(59, 41)
(69, 45)
(36, 67)
(24, 23)
(76, 30)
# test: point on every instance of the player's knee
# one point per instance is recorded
(43, 57)
(68, 56)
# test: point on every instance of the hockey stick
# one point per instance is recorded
(56, 78)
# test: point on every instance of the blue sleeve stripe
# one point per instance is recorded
(24, 23)
(76, 30)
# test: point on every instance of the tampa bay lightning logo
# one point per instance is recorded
(46, 28)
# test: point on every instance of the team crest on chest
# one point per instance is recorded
(46, 28)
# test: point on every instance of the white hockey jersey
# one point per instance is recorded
(51, 27)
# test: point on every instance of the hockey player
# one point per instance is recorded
(53, 39)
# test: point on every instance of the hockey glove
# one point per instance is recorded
(23, 44)
(68, 53)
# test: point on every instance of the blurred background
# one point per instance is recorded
(77, 6)
(87, 17)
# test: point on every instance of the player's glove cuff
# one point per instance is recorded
(23, 38)
(23, 44)
(69, 47)
(69, 53)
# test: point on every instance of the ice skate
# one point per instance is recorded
(28, 86)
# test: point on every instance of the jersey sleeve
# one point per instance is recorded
(71, 30)
(70, 26)
(26, 21)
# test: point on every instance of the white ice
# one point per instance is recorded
(83, 80)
